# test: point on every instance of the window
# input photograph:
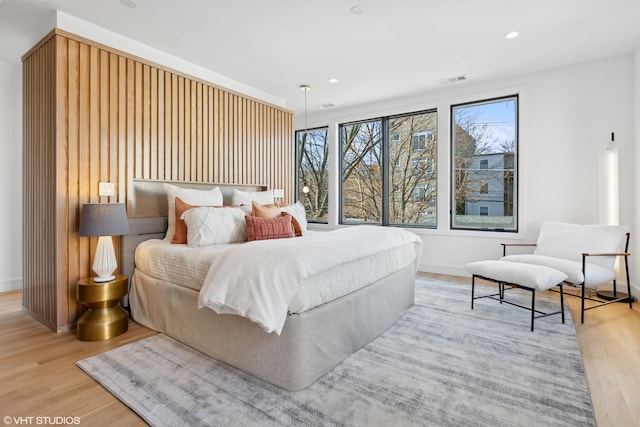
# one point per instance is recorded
(362, 172)
(484, 164)
(421, 140)
(372, 166)
(312, 158)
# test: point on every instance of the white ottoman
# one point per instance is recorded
(526, 276)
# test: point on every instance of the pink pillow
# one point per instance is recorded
(269, 228)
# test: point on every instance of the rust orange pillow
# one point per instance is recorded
(180, 235)
(269, 228)
(297, 230)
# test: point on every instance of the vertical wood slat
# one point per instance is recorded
(94, 115)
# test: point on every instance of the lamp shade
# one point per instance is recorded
(103, 219)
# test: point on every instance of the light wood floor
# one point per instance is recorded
(39, 378)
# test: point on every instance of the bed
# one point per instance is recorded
(313, 338)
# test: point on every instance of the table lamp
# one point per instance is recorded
(104, 220)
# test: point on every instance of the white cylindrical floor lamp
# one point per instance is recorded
(104, 220)
(609, 180)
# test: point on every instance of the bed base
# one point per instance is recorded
(311, 344)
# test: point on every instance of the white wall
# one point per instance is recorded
(98, 34)
(566, 117)
(10, 176)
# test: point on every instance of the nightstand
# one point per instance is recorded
(105, 318)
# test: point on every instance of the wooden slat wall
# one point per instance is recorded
(40, 192)
(95, 114)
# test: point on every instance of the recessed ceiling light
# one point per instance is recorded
(357, 10)
(128, 3)
(333, 80)
(512, 35)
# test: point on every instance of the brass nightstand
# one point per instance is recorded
(105, 318)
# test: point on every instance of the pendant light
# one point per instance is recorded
(305, 89)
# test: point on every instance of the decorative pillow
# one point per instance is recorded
(212, 226)
(297, 230)
(264, 211)
(188, 195)
(298, 211)
(180, 234)
(272, 211)
(269, 228)
(246, 197)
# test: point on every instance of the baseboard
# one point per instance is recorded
(449, 269)
(7, 285)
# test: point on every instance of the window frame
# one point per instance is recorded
(516, 160)
(387, 139)
(297, 188)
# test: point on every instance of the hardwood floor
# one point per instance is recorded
(39, 378)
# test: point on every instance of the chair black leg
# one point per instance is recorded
(533, 307)
(626, 268)
(561, 301)
(473, 284)
(582, 305)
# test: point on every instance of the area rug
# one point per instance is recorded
(441, 364)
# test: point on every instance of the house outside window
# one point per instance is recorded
(484, 164)
(389, 170)
(312, 159)
(420, 140)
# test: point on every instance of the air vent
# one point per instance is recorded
(452, 80)
(327, 105)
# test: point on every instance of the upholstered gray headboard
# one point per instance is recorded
(147, 211)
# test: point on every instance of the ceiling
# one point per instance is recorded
(393, 49)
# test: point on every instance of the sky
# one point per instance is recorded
(500, 118)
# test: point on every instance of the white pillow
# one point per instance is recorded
(191, 196)
(298, 211)
(246, 197)
(212, 226)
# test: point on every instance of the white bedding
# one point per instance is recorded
(188, 267)
(258, 280)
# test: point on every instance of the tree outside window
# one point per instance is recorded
(362, 172)
(389, 170)
(313, 172)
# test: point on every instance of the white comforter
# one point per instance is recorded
(257, 280)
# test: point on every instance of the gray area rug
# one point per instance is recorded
(441, 364)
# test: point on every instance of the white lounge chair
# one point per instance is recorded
(585, 253)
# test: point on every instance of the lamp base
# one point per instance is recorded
(104, 263)
(609, 296)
